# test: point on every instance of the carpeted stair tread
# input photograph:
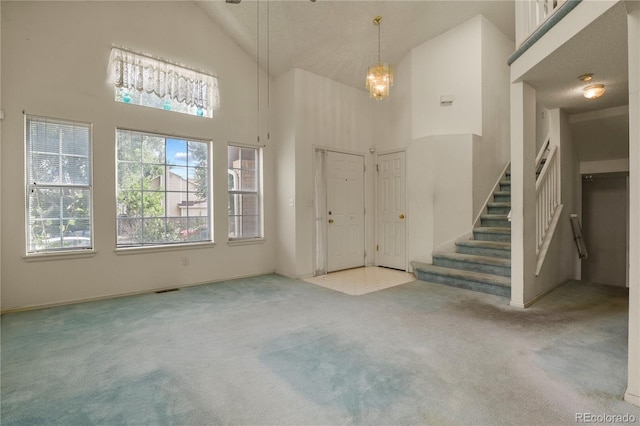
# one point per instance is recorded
(499, 204)
(498, 245)
(492, 230)
(478, 277)
(502, 193)
(484, 248)
(505, 182)
(491, 216)
(471, 258)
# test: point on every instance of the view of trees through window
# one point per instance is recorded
(58, 155)
(162, 189)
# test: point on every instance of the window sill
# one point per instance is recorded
(161, 248)
(246, 241)
(43, 257)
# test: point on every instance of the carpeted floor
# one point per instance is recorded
(271, 350)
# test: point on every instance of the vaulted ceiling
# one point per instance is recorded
(338, 40)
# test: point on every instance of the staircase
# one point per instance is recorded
(484, 263)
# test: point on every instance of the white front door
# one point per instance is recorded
(391, 247)
(345, 211)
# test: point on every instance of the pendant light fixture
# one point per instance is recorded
(380, 75)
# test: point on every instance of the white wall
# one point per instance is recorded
(325, 114)
(1, 152)
(451, 165)
(284, 132)
(542, 125)
(449, 64)
(605, 227)
(491, 151)
(633, 386)
(56, 60)
(562, 262)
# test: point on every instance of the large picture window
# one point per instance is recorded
(58, 175)
(245, 204)
(162, 190)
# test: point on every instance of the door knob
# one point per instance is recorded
(401, 216)
(330, 220)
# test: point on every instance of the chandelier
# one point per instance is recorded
(380, 75)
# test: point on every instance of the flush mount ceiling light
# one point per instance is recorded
(379, 76)
(593, 91)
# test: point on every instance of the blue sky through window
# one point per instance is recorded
(176, 151)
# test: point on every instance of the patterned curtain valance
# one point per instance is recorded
(138, 72)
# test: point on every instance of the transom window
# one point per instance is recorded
(59, 192)
(162, 189)
(244, 185)
(141, 79)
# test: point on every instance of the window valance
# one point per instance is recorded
(141, 73)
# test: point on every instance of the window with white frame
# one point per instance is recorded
(244, 185)
(141, 79)
(162, 189)
(58, 184)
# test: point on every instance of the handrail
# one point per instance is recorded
(543, 148)
(547, 197)
(490, 197)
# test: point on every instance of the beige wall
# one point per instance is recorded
(605, 202)
(633, 387)
(56, 60)
(562, 261)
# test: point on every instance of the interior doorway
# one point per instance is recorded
(605, 217)
(391, 247)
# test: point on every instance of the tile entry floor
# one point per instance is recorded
(359, 281)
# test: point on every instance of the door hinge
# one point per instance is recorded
(364, 168)
(377, 168)
(365, 254)
(377, 247)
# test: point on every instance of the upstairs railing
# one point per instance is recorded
(534, 13)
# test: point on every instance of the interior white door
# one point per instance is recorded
(391, 247)
(345, 211)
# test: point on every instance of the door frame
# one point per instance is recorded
(320, 233)
(378, 214)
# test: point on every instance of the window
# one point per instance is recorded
(162, 190)
(245, 204)
(143, 80)
(58, 175)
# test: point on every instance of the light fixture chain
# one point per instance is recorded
(378, 42)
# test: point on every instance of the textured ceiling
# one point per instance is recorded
(337, 39)
(600, 49)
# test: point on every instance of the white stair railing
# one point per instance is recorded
(547, 197)
(535, 13)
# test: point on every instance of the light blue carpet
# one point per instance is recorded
(271, 350)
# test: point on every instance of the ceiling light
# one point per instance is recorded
(593, 91)
(379, 76)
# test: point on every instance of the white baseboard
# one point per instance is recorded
(632, 399)
(131, 293)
